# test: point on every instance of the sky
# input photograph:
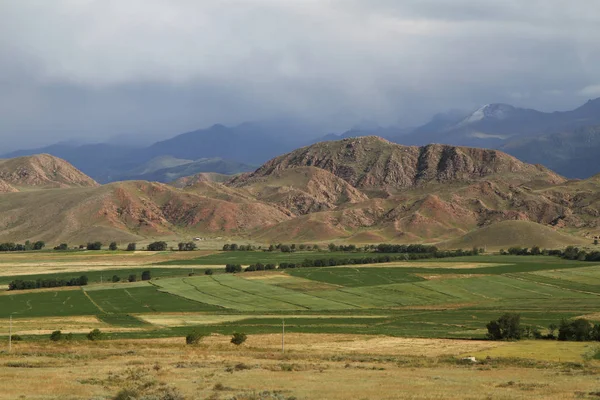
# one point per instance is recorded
(93, 70)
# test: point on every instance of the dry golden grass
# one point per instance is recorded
(45, 326)
(217, 369)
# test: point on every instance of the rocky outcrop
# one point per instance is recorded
(373, 163)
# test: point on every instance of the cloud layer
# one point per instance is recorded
(98, 68)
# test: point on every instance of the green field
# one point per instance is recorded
(266, 257)
(433, 298)
(106, 275)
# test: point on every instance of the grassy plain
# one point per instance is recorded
(360, 325)
(313, 366)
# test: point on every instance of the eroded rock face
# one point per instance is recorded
(374, 163)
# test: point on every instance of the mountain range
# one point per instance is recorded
(564, 141)
(361, 190)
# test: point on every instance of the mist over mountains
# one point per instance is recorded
(564, 141)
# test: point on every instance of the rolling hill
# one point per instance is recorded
(41, 171)
(506, 234)
(362, 190)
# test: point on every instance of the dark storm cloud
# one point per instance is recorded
(94, 69)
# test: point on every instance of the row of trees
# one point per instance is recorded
(57, 336)
(332, 262)
(284, 248)
(508, 327)
(146, 276)
(10, 246)
(570, 253)
(20, 284)
(260, 267)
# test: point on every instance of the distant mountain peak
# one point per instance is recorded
(496, 111)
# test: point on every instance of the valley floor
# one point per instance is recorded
(313, 367)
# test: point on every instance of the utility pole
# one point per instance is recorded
(283, 335)
(10, 334)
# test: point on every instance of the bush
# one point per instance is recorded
(95, 334)
(146, 275)
(238, 338)
(194, 337)
(113, 246)
(115, 279)
(56, 336)
(62, 246)
(507, 327)
(208, 272)
(132, 278)
(131, 246)
(16, 338)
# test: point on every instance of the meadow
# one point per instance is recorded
(429, 301)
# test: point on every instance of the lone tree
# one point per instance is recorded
(238, 338)
(112, 246)
(507, 327)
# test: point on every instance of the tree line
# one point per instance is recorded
(27, 246)
(508, 327)
(20, 284)
(569, 253)
(332, 262)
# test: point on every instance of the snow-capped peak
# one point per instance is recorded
(489, 111)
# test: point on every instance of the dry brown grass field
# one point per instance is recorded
(313, 367)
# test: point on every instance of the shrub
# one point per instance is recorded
(208, 272)
(56, 336)
(115, 279)
(194, 337)
(131, 247)
(238, 338)
(16, 338)
(132, 278)
(95, 334)
(62, 246)
(113, 246)
(126, 394)
(69, 337)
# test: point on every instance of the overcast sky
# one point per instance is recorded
(93, 69)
